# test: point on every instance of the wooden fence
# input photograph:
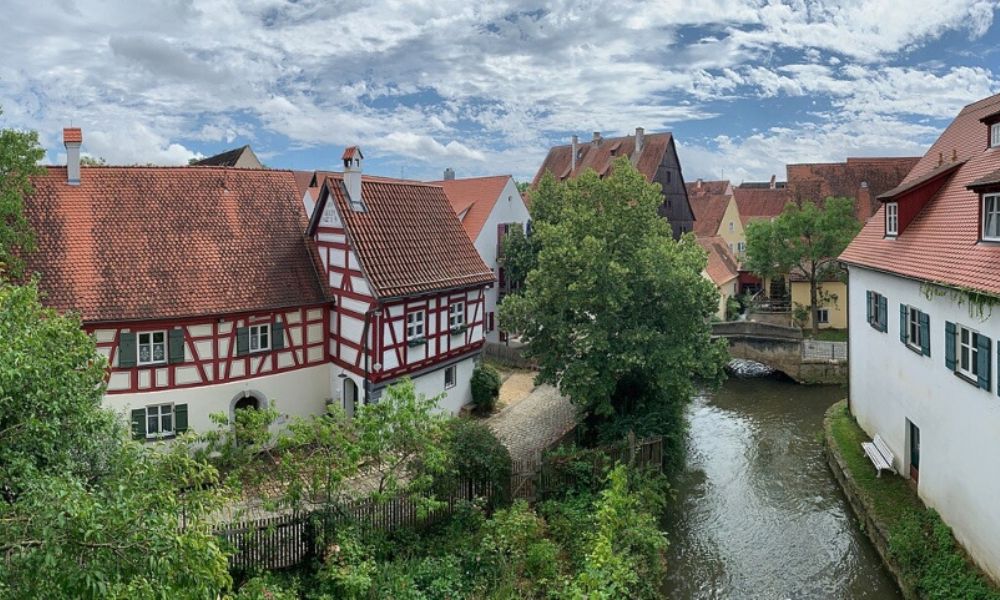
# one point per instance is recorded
(512, 355)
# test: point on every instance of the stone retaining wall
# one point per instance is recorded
(876, 532)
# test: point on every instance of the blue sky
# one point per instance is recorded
(745, 85)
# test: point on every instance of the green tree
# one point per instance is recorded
(520, 257)
(617, 312)
(93, 161)
(19, 156)
(803, 240)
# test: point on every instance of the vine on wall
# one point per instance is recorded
(980, 303)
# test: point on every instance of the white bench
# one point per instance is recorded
(880, 455)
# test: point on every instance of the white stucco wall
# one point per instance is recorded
(509, 208)
(959, 423)
(429, 384)
(294, 393)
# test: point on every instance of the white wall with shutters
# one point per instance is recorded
(959, 422)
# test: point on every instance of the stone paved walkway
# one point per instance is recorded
(532, 423)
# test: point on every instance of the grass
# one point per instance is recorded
(920, 542)
(827, 335)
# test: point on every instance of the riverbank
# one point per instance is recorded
(915, 544)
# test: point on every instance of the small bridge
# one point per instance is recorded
(784, 349)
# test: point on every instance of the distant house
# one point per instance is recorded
(722, 270)
(716, 213)
(211, 289)
(861, 179)
(240, 158)
(488, 208)
(924, 279)
(654, 155)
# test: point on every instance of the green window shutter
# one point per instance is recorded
(126, 350)
(902, 323)
(175, 347)
(949, 345)
(925, 334)
(139, 423)
(242, 341)
(277, 335)
(868, 306)
(180, 418)
(883, 314)
(985, 359)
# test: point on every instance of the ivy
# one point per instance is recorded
(980, 303)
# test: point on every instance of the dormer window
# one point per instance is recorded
(995, 135)
(891, 218)
(991, 217)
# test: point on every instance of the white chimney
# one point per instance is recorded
(699, 183)
(640, 139)
(352, 176)
(72, 139)
(449, 174)
(572, 160)
(772, 181)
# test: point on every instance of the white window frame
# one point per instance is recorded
(995, 135)
(892, 218)
(967, 351)
(151, 344)
(913, 328)
(162, 410)
(454, 377)
(741, 247)
(873, 310)
(456, 314)
(995, 198)
(256, 333)
(415, 325)
(823, 316)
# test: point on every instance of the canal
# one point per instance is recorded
(758, 514)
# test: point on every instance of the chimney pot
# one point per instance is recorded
(449, 174)
(352, 176)
(72, 139)
(597, 138)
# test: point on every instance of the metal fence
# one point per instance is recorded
(824, 350)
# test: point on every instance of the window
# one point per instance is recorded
(968, 352)
(456, 314)
(159, 420)
(449, 377)
(877, 309)
(741, 247)
(991, 217)
(415, 326)
(260, 338)
(731, 226)
(891, 218)
(914, 329)
(995, 135)
(822, 315)
(152, 347)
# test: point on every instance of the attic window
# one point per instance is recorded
(991, 217)
(891, 218)
(995, 135)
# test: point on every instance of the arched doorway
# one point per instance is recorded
(350, 396)
(246, 402)
(247, 399)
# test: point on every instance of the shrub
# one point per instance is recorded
(267, 587)
(475, 455)
(485, 388)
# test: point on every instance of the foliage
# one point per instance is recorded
(51, 385)
(803, 240)
(267, 587)
(485, 388)
(919, 541)
(616, 313)
(520, 257)
(734, 308)
(92, 161)
(19, 156)
(475, 455)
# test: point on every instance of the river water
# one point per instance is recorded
(758, 514)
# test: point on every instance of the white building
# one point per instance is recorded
(924, 281)
(488, 208)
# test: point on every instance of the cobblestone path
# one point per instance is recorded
(528, 426)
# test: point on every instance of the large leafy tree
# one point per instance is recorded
(19, 156)
(804, 240)
(616, 312)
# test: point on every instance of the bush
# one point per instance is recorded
(475, 455)
(485, 388)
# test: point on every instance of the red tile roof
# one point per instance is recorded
(941, 244)
(408, 239)
(140, 243)
(862, 179)
(701, 187)
(475, 197)
(599, 157)
(708, 213)
(722, 266)
(72, 134)
(761, 203)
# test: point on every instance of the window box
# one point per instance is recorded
(457, 329)
(413, 343)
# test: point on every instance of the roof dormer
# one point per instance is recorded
(992, 123)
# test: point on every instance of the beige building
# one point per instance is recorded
(832, 312)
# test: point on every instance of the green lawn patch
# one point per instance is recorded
(919, 541)
(828, 335)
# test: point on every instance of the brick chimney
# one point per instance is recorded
(597, 139)
(449, 174)
(572, 160)
(72, 139)
(352, 176)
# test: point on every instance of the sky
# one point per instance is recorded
(746, 86)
